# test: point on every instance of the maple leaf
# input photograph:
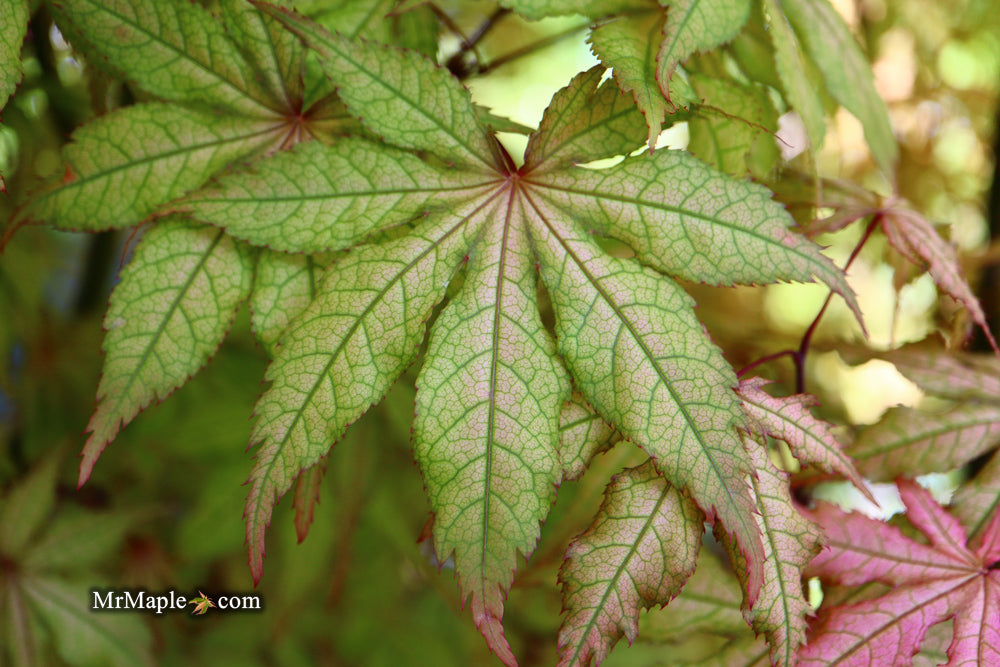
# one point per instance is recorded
(848, 77)
(909, 441)
(52, 554)
(811, 440)
(13, 27)
(790, 541)
(916, 239)
(606, 581)
(947, 578)
(227, 87)
(491, 390)
(201, 604)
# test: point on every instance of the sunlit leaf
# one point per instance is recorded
(732, 142)
(693, 26)
(793, 70)
(586, 121)
(848, 76)
(628, 45)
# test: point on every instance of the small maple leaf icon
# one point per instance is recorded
(201, 603)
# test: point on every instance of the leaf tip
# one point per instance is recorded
(488, 622)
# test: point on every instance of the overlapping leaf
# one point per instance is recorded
(741, 141)
(793, 71)
(693, 26)
(638, 553)
(931, 583)
(916, 442)
(169, 313)
(232, 88)
(283, 286)
(13, 26)
(790, 542)
(811, 440)
(848, 76)
(916, 239)
(491, 391)
(912, 442)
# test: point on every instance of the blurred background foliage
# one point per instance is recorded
(163, 509)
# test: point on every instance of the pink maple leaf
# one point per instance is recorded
(947, 578)
(916, 239)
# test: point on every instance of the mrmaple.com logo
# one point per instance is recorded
(139, 600)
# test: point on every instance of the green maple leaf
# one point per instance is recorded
(52, 551)
(221, 89)
(448, 208)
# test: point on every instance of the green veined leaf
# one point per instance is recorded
(694, 26)
(709, 602)
(811, 440)
(168, 315)
(739, 141)
(27, 506)
(173, 49)
(637, 352)
(121, 167)
(486, 428)
(13, 27)
(914, 442)
(684, 218)
(629, 335)
(342, 355)
(793, 70)
(639, 551)
(401, 98)
(790, 542)
(587, 120)
(583, 434)
(283, 286)
(318, 197)
(848, 76)
(627, 45)
(81, 636)
(274, 54)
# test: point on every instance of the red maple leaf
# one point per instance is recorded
(947, 578)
